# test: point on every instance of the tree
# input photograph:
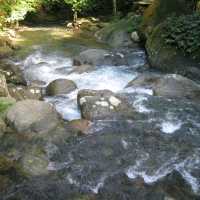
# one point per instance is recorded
(114, 7)
(78, 6)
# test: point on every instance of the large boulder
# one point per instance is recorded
(32, 116)
(60, 86)
(87, 60)
(3, 86)
(170, 85)
(120, 38)
(91, 57)
(103, 105)
(159, 10)
(171, 59)
(117, 34)
(158, 32)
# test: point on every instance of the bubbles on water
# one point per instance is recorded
(138, 90)
(170, 127)
(171, 124)
(42, 67)
(185, 168)
(139, 104)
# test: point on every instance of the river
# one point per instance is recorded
(165, 138)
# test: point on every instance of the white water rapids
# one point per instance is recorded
(48, 67)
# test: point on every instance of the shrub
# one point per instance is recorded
(183, 32)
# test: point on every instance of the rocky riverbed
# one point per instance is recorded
(82, 120)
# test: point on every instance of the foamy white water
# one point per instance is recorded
(170, 127)
(171, 124)
(47, 68)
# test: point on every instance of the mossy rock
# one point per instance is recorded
(170, 59)
(4, 182)
(5, 104)
(10, 173)
(5, 164)
(117, 32)
(159, 11)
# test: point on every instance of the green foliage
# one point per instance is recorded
(183, 32)
(136, 21)
(80, 5)
(20, 8)
(15, 10)
(4, 105)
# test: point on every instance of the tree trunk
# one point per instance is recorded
(114, 7)
(75, 17)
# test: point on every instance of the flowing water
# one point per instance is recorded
(165, 138)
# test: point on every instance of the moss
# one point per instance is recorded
(10, 172)
(129, 24)
(168, 58)
(159, 11)
(5, 164)
(183, 33)
(4, 182)
(5, 103)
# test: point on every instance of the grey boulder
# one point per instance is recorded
(32, 116)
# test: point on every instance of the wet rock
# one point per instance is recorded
(10, 172)
(13, 73)
(60, 86)
(35, 162)
(79, 126)
(2, 127)
(171, 85)
(82, 69)
(116, 34)
(5, 164)
(21, 92)
(119, 39)
(177, 187)
(104, 104)
(91, 57)
(135, 37)
(4, 183)
(3, 86)
(32, 116)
